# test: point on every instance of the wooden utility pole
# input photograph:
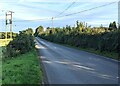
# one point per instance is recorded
(9, 21)
(52, 23)
(6, 24)
(119, 14)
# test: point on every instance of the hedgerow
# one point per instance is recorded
(23, 43)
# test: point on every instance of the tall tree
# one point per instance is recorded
(38, 30)
(80, 26)
(29, 31)
(112, 26)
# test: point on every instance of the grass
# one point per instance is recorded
(111, 55)
(4, 42)
(1, 48)
(23, 69)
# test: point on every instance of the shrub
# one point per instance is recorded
(20, 45)
(105, 41)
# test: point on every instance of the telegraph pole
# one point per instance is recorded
(9, 21)
(52, 23)
(118, 15)
(6, 24)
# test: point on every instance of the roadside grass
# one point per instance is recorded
(111, 55)
(1, 48)
(23, 69)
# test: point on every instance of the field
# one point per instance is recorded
(4, 42)
(23, 69)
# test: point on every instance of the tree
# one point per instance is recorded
(48, 28)
(38, 30)
(80, 26)
(24, 42)
(29, 31)
(112, 26)
(86, 37)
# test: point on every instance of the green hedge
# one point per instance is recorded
(106, 41)
(23, 43)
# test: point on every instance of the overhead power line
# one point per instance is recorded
(70, 13)
(66, 8)
(62, 12)
(87, 10)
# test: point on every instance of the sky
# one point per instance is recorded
(33, 13)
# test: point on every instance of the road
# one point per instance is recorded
(65, 65)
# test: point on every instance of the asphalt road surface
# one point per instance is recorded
(65, 65)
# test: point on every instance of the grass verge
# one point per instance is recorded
(1, 48)
(111, 55)
(23, 69)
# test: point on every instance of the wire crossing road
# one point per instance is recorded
(65, 65)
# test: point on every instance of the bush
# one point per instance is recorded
(20, 45)
(104, 41)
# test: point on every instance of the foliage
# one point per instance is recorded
(112, 26)
(28, 31)
(23, 69)
(97, 38)
(38, 31)
(23, 43)
(3, 35)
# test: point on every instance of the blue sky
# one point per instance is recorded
(40, 9)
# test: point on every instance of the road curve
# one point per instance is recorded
(65, 65)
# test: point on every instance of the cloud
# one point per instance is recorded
(68, 1)
(40, 9)
(20, 1)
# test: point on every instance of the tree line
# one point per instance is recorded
(83, 36)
